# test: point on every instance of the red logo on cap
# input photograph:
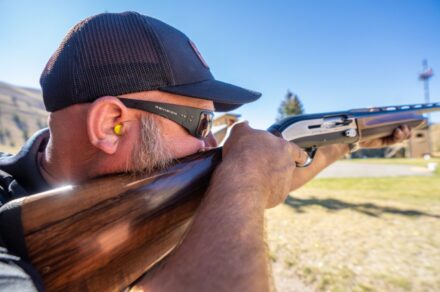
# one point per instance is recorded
(198, 54)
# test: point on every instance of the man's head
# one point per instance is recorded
(128, 55)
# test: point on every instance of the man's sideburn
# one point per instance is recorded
(151, 152)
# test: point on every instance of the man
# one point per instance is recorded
(128, 93)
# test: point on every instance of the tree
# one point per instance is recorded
(22, 125)
(2, 137)
(290, 106)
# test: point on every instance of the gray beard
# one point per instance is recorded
(150, 154)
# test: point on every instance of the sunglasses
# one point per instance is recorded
(197, 121)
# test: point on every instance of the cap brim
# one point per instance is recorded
(226, 96)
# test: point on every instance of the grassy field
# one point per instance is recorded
(351, 234)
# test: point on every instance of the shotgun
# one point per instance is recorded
(106, 234)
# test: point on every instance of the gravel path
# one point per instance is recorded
(350, 169)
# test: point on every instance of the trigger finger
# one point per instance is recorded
(299, 155)
(399, 135)
(407, 132)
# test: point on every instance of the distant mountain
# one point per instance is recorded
(21, 114)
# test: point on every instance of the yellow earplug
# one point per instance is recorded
(118, 129)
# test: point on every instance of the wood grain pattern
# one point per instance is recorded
(384, 125)
(104, 235)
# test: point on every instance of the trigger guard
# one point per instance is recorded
(310, 156)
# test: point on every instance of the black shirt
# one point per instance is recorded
(23, 169)
(19, 176)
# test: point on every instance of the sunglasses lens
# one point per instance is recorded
(205, 124)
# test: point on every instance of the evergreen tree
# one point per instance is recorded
(290, 106)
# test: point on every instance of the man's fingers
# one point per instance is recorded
(401, 133)
(242, 128)
(299, 155)
(398, 135)
(406, 131)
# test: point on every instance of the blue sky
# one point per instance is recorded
(334, 54)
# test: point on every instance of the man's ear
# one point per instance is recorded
(103, 115)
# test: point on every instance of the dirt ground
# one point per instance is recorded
(330, 240)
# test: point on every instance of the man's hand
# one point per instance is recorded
(399, 135)
(264, 161)
(227, 232)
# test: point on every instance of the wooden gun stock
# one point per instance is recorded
(104, 235)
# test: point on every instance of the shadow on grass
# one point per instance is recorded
(366, 208)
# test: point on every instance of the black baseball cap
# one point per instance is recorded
(119, 53)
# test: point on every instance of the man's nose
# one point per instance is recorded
(210, 140)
